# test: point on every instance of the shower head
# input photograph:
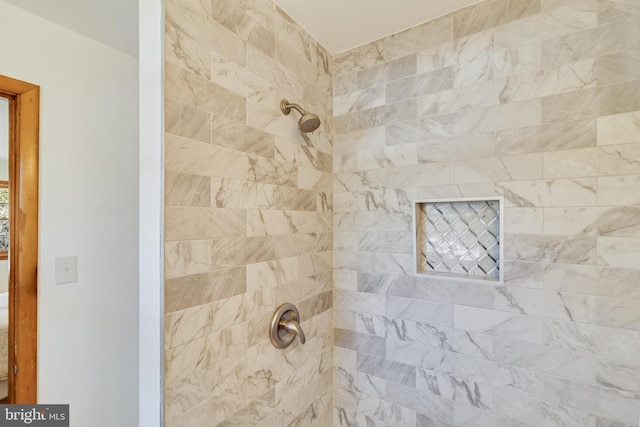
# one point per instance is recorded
(307, 123)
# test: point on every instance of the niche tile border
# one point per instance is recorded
(459, 238)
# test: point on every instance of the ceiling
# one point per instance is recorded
(343, 24)
(112, 22)
(338, 25)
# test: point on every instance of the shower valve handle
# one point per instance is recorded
(285, 326)
(293, 327)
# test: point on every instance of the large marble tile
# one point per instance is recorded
(619, 252)
(419, 85)
(187, 190)
(566, 78)
(558, 305)
(558, 192)
(196, 91)
(236, 136)
(421, 401)
(550, 25)
(618, 67)
(596, 41)
(619, 128)
(196, 223)
(624, 221)
(497, 323)
(187, 156)
(360, 58)
(510, 168)
(556, 249)
(498, 66)
(389, 71)
(194, 290)
(618, 190)
(419, 37)
(186, 121)
(420, 311)
(540, 411)
(455, 388)
(606, 160)
(490, 14)
(192, 18)
(186, 258)
(549, 137)
(589, 103)
(387, 370)
(359, 100)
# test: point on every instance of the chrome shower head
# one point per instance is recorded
(308, 122)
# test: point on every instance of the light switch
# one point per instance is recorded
(66, 270)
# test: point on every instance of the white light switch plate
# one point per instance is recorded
(66, 270)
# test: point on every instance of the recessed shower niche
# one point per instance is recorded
(459, 238)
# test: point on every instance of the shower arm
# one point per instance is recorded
(286, 107)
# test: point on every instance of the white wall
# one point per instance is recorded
(88, 331)
(151, 13)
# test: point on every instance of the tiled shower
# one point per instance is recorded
(535, 103)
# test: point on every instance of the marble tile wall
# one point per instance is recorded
(248, 217)
(537, 101)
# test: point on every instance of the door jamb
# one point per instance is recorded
(24, 117)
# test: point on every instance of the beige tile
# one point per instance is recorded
(229, 193)
(194, 90)
(456, 148)
(593, 221)
(554, 249)
(295, 244)
(619, 252)
(275, 222)
(185, 52)
(237, 78)
(387, 114)
(566, 78)
(397, 155)
(549, 137)
(420, 85)
(360, 58)
(619, 128)
(618, 67)
(186, 258)
(203, 288)
(232, 252)
(389, 71)
(607, 160)
(359, 100)
(187, 156)
(523, 220)
(187, 190)
(596, 41)
(619, 190)
(545, 27)
(194, 19)
(617, 10)
(423, 36)
(500, 117)
(558, 192)
(480, 17)
(187, 121)
(236, 136)
(590, 103)
(196, 223)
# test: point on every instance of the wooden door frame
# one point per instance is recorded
(24, 123)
